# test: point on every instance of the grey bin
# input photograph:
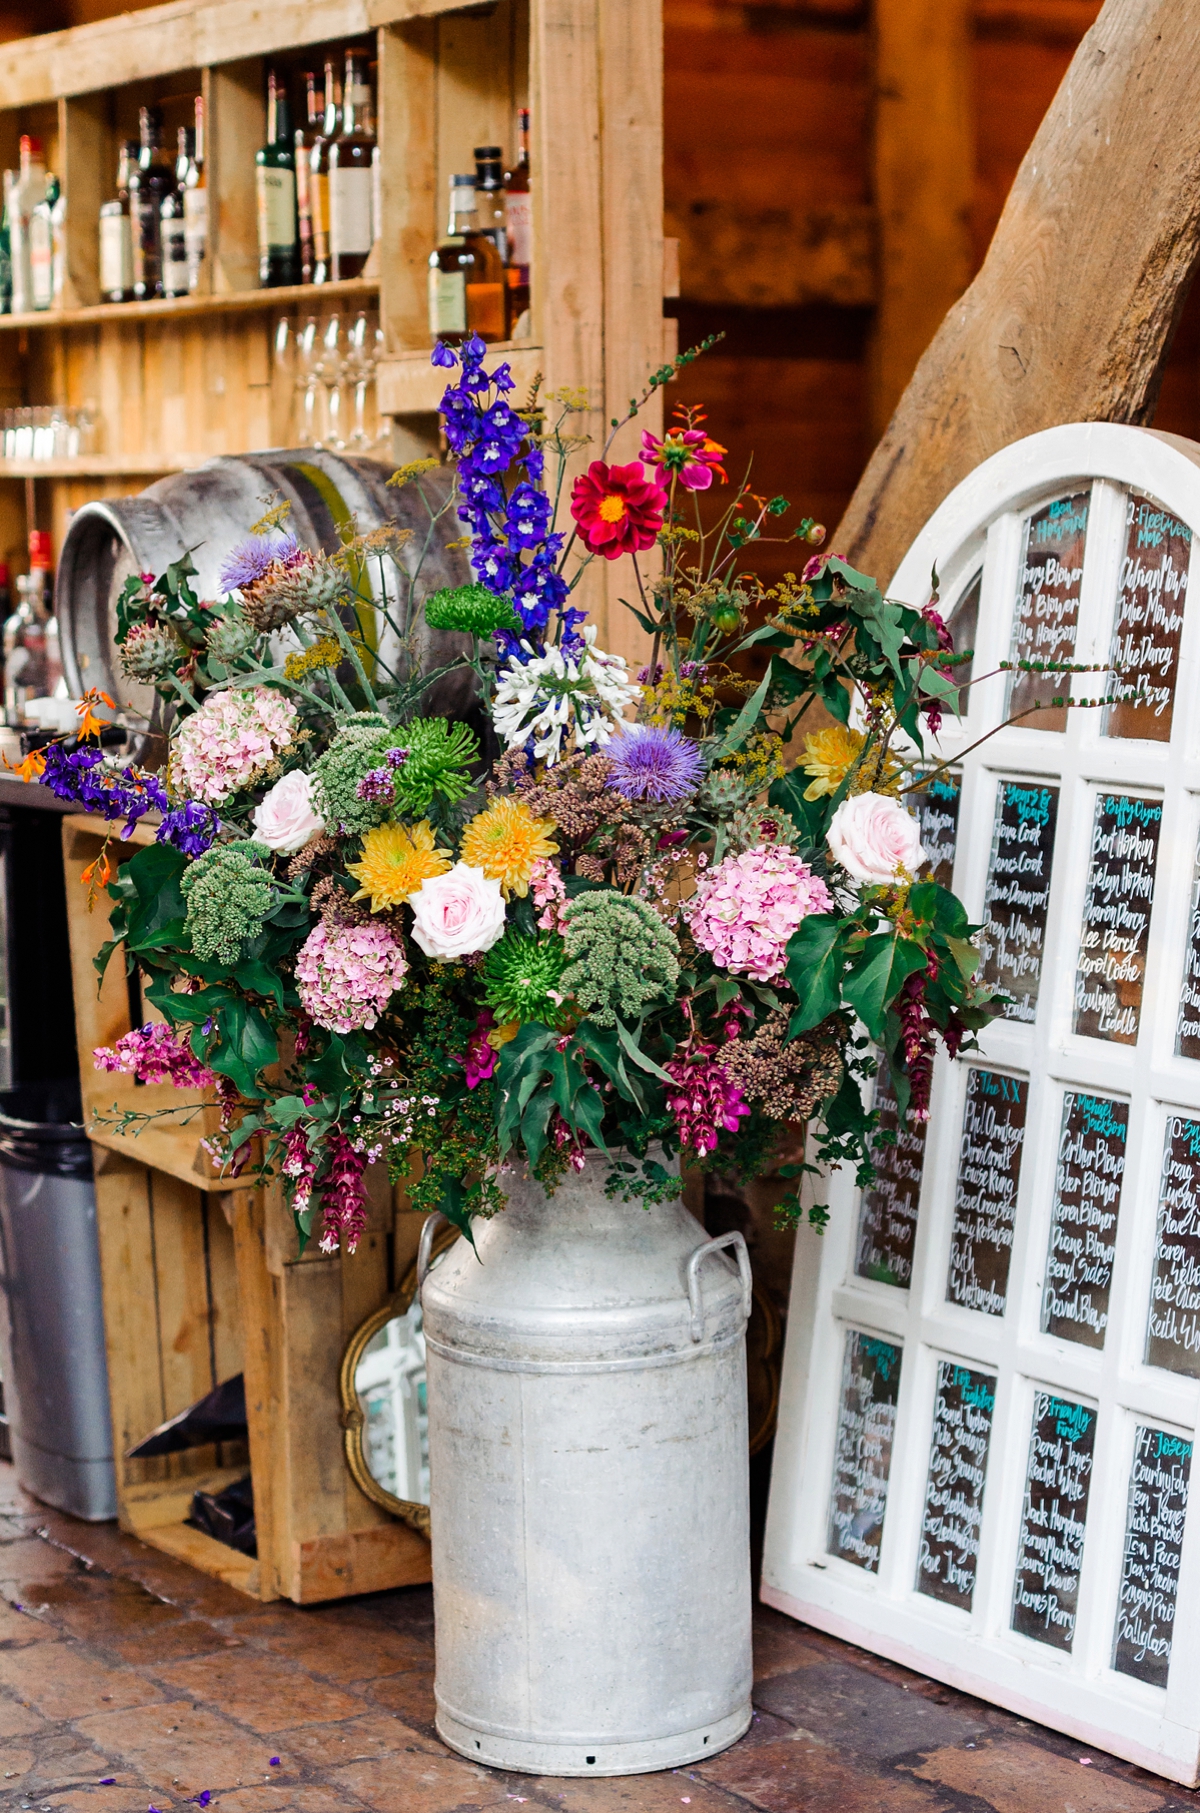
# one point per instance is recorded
(51, 1314)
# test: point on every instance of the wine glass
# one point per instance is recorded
(333, 372)
(310, 354)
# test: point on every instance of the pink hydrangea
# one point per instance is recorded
(346, 978)
(745, 910)
(155, 1053)
(234, 735)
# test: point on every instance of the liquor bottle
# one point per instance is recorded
(489, 196)
(350, 229)
(41, 247)
(116, 240)
(150, 179)
(275, 177)
(6, 248)
(173, 222)
(27, 191)
(58, 253)
(195, 204)
(466, 277)
(318, 175)
(306, 137)
(518, 220)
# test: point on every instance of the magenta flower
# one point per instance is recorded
(480, 1061)
(707, 1101)
(687, 454)
(745, 911)
(155, 1053)
(343, 1195)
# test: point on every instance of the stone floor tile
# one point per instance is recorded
(96, 1800)
(19, 1627)
(409, 1695)
(297, 1799)
(781, 1645)
(425, 1784)
(17, 1719)
(860, 1712)
(796, 1776)
(338, 1648)
(671, 1792)
(1015, 1776)
(180, 1748)
(59, 1680)
(165, 1641)
(354, 1740)
(29, 1563)
(258, 1690)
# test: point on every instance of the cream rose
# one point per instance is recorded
(457, 914)
(285, 820)
(873, 837)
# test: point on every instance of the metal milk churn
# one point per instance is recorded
(590, 1506)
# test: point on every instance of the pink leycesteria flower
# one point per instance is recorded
(687, 454)
(343, 1196)
(707, 1100)
(155, 1053)
(745, 909)
(299, 1167)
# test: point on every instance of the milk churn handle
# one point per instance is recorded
(734, 1240)
(423, 1251)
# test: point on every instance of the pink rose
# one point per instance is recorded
(457, 914)
(285, 820)
(873, 838)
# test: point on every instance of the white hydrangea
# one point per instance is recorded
(551, 695)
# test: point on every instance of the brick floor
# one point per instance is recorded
(127, 1681)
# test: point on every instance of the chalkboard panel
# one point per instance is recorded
(1158, 1489)
(887, 1222)
(1116, 917)
(1046, 1596)
(1173, 1330)
(863, 1460)
(1047, 612)
(1083, 1231)
(985, 1191)
(1148, 623)
(1017, 896)
(1187, 1032)
(937, 814)
(962, 1429)
(963, 624)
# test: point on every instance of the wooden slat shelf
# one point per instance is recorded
(99, 465)
(409, 384)
(319, 296)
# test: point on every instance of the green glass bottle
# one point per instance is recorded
(275, 177)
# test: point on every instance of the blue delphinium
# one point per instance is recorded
(81, 777)
(654, 762)
(191, 828)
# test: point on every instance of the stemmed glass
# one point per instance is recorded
(333, 372)
(362, 357)
(310, 354)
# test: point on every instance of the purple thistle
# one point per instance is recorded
(250, 559)
(654, 762)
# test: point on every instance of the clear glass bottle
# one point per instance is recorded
(116, 239)
(489, 196)
(27, 191)
(306, 137)
(318, 168)
(466, 277)
(41, 247)
(518, 221)
(6, 247)
(351, 232)
(275, 182)
(173, 227)
(195, 204)
(150, 180)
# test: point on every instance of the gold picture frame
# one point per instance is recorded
(416, 1516)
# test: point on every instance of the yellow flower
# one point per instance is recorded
(506, 841)
(829, 755)
(395, 861)
(500, 1035)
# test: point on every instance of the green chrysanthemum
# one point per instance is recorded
(521, 977)
(621, 954)
(228, 899)
(471, 609)
(438, 758)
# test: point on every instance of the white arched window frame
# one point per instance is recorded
(887, 1385)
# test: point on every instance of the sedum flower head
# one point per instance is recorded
(621, 956)
(507, 842)
(394, 863)
(228, 897)
(437, 759)
(579, 692)
(350, 756)
(521, 978)
(472, 610)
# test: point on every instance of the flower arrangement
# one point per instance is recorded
(656, 917)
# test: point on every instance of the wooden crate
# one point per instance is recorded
(201, 1280)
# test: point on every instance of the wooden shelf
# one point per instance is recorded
(102, 465)
(318, 295)
(409, 384)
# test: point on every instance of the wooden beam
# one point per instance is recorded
(1072, 314)
(924, 172)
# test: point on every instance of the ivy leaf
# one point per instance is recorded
(814, 969)
(535, 1123)
(965, 955)
(877, 978)
(936, 906)
(246, 1046)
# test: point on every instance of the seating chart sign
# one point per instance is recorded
(863, 1461)
(1173, 1330)
(1083, 1232)
(985, 1193)
(1046, 1597)
(1047, 613)
(1017, 896)
(1116, 917)
(887, 1224)
(962, 1431)
(1187, 1032)
(937, 814)
(1151, 593)
(1158, 1489)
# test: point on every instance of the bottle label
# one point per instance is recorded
(195, 222)
(447, 303)
(318, 201)
(349, 211)
(276, 209)
(174, 257)
(41, 274)
(519, 221)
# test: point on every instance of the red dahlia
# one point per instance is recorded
(617, 508)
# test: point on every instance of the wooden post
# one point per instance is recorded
(1072, 314)
(924, 169)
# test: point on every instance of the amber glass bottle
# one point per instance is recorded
(466, 276)
(351, 231)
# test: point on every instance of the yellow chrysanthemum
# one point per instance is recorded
(394, 863)
(829, 754)
(506, 841)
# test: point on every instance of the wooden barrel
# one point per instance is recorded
(207, 512)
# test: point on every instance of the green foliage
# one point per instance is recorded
(228, 897)
(621, 956)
